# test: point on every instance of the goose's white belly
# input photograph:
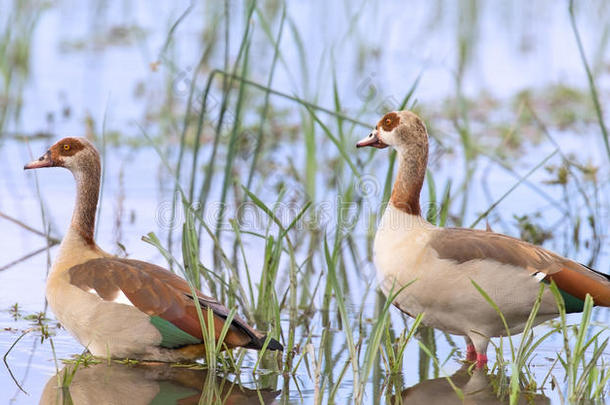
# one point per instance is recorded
(442, 289)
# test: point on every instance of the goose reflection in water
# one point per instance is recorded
(144, 384)
(476, 386)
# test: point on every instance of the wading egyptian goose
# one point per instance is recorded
(444, 261)
(124, 308)
(147, 384)
(476, 386)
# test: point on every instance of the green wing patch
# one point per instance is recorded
(171, 393)
(172, 336)
(573, 304)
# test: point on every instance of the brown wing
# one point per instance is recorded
(158, 292)
(463, 245)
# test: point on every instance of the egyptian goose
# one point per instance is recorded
(443, 262)
(147, 384)
(124, 308)
(476, 386)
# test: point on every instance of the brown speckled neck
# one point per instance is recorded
(87, 176)
(413, 157)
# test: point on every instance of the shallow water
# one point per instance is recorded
(77, 65)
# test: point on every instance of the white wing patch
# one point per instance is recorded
(539, 276)
(121, 298)
(92, 291)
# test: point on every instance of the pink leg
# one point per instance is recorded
(481, 360)
(471, 353)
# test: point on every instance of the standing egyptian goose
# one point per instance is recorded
(444, 261)
(124, 308)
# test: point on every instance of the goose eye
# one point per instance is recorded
(66, 147)
(388, 121)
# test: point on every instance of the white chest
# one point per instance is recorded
(399, 248)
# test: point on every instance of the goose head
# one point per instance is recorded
(82, 159)
(74, 154)
(399, 129)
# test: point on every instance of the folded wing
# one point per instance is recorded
(464, 245)
(161, 294)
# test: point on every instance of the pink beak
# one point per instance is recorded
(43, 161)
(372, 140)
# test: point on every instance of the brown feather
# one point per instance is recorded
(157, 292)
(463, 245)
(579, 283)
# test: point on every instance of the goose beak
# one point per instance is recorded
(372, 140)
(43, 161)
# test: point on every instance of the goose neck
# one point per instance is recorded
(87, 194)
(410, 178)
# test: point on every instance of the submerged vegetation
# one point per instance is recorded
(272, 212)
